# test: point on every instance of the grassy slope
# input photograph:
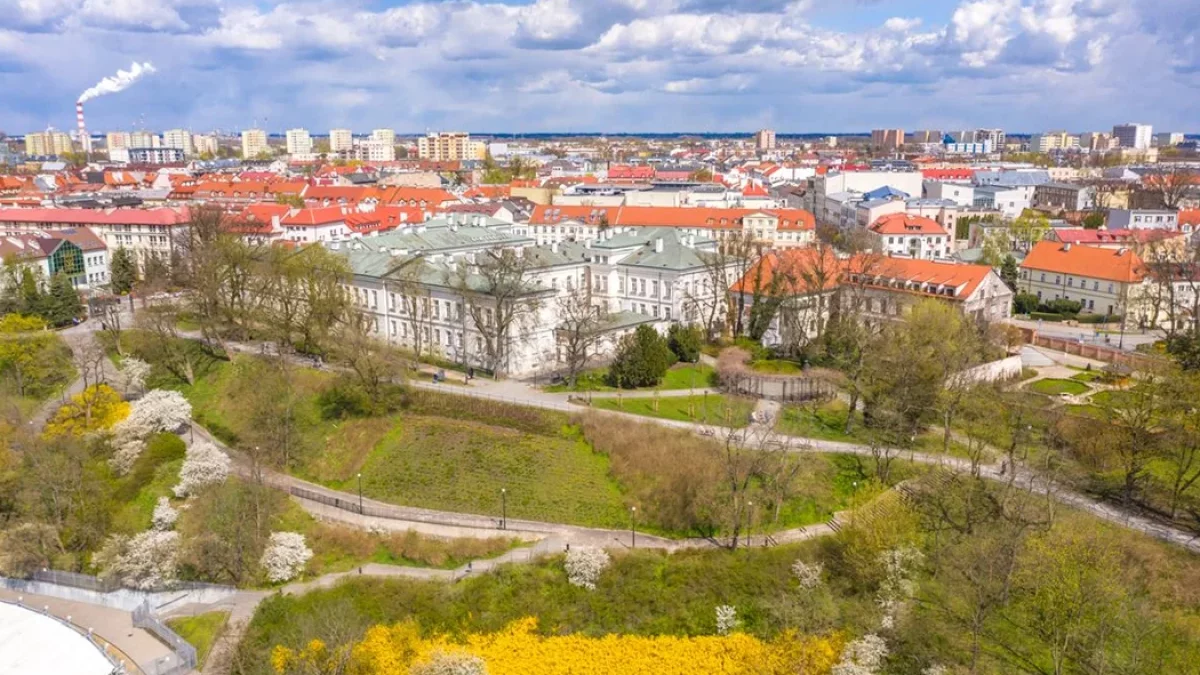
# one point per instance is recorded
(713, 408)
(201, 631)
(680, 376)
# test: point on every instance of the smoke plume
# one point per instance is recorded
(118, 82)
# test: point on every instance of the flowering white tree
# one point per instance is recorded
(285, 556)
(936, 669)
(808, 574)
(164, 516)
(145, 561)
(899, 583)
(128, 449)
(584, 565)
(863, 656)
(160, 410)
(727, 620)
(450, 663)
(133, 374)
(203, 465)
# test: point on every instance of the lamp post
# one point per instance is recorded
(633, 527)
(360, 499)
(504, 508)
(750, 523)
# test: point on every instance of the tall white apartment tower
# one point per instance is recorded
(299, 142)
(340, 140)
(1136, 136)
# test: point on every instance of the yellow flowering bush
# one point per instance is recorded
(519, 650)
(96, 408)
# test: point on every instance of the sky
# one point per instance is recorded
(798, 66)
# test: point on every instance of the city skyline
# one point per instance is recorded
(623, 65)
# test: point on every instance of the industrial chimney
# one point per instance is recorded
(85, 140)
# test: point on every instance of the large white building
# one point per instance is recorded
(340, 140)
(144, 139)
(205, 144)
(254, 143)
(372, 150)
(910, 236)
(450, 146)
(116, 139)
(387, 136)
(179, 138)
(299, 142)
(1134, 136)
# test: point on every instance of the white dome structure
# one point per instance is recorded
(32, 643)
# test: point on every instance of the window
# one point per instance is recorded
(668, 313)
(1058, 278)
(393, 326)
(1043, 276)
(1095, 285)
(1110, 288)
(1070, 282)
(654, 289)
(656, 311)
(436, 309)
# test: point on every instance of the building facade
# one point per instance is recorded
(1133, 136)
(179, 138)
(254, 143)
(887, 139)
(299, 142)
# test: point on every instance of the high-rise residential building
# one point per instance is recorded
(927, 136)
(764, 140)
(254, 142)
(371, 150)
(116, 139)
(963, 136)
(179, 138)
(995, 136)
(299, 142)
(205, 144)
(449, 146)
(1168, 139)
(1132, 135)
(888, 139)
(1053, 140)
(144, 139)
(387, 136)
(340, 140)
(50, 142)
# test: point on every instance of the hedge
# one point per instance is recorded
(1098, 318)
(1046, 316)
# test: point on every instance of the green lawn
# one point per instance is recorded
(454, 465)
(1087, 376)
(1054, 387)
(1113, 397)
(1086, 410)
(827, 421)
(200, 631)
(678, 377)
(711, 408)
(776, 367)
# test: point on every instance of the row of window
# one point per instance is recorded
(1071, 281)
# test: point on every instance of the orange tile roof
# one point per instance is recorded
(755, 190)
(906, 223)
(488, 192)
(1085, 261)
(321, 215)
(801, 266)
(1189, 217)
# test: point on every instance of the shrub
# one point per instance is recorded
(863, 656)
(450, 663)
(203, 465)
(808, 574)
(286, 556)
(684, 342)
(1025, 303)
(160, 410)
(343, 398)
(642, 359)
(144, 562)
(1062, 306)
(584, 565)
(164, 516)
(727, 620)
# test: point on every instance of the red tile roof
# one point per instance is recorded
(948, 174)
(628, 172)
(755, 190)
(1189, 217)
(1085, 261)
(907, 223)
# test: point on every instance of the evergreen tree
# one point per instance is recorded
(32, 299)
(63, 304)
(1008, 272)
(642, 359)
(124, 271)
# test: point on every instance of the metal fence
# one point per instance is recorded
(185, 653)
(117, 660)
(76, 580)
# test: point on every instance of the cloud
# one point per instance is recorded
(608, 64)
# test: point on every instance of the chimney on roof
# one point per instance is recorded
(1066, 247)
(1122, 251)
(658, 245)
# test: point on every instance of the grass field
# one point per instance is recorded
(1087, 376)
(828, 423)
(1114, 397)
(200, 631)
(1054, 387)
(776, 367)
(713, 408)
(454, 465)
(680, 376)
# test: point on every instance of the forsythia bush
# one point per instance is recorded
(519, 650)
(94, 409)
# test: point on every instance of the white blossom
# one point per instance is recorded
(727, 620)
(145, 561)
(127, 452)
(808, 574)
(899, 582)
(133, 374)
(203, 465)
(286, 556)
(584, 565)
(863, 656)
(164, 516)
(936, 669)
(450, 663)
(160, 410)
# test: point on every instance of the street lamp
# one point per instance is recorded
(750, 524)
(360, 500)
(633, 527)
(504, 508)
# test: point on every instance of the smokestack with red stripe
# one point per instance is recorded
(85, 139)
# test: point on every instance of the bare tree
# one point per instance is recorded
(160, 338)
(503, 297)
(374, 363)
(1171, 183)
(710, 301)
(748, 456)
(89, 357)
(579, 329)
